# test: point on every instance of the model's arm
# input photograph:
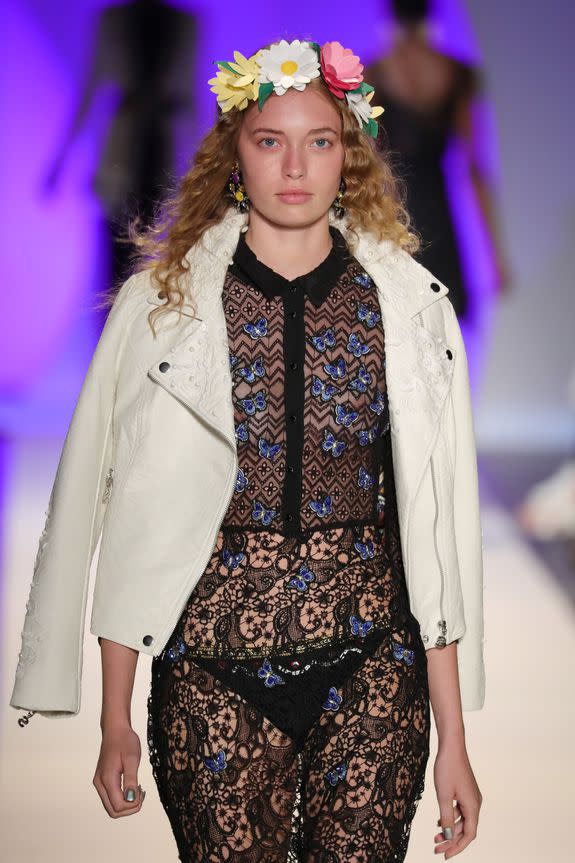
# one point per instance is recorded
(120, 751)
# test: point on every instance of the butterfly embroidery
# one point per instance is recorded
(360, 627)
(324, 340)
(261, 513)
(176, 651)
(336, 370)
(366, 549)
(300, 581)
(359, 384)
(330, 444)
(268, 675)
(258, 329)
(241, 480)
(253, 371)
(321, 507)
(251, 404)
(338, 773)
(366, 315)
(367, 436)
(356, 347)
(380, 502)
(401, 652)
(333, 700)
(363, 280)
(242, 431)
(267, 449)
(378, 404)
(325, 390)
(233, 361)
(364, 479)
(232, 561)
(344, 417)
(216, 764)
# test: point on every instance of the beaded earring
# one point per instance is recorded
(337, 205)
(237, 189)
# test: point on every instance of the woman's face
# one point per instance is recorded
(293, 143)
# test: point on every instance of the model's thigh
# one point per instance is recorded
(225, 775)
(366, 760)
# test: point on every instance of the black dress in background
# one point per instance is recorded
(417, 141)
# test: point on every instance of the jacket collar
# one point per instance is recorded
(409, 287)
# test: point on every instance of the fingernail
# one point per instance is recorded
(448, 832)
(129, 795)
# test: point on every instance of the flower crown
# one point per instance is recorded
(294, 64)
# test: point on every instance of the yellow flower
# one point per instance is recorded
(376, 110)
(236, 83)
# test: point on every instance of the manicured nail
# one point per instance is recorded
(129, 795)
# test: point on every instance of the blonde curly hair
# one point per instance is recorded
(373, 200)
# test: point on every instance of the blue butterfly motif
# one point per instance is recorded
(325, 390)
(324, 340)
(363, 280)
(336, 370)
(267, 449)
(321, 507)
(176, 651)
(360, 382)
(380, 503)
(242, 431)
(260, 328)
(401, 652)
(333, 700)
(365, 314)
(378, 404)
(364, 478)
(366, 549)
(233, 361)
(344, 417)
(330, 444)
(360, 627)
(300, 581)
(241, 481)
(268, 675)
(232, 561)
(356, 347)
(218, 763)
(367, 436)
(338, 773)
(262, 513)
(253, 371)
(251, 404)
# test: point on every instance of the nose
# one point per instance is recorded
(294, 163)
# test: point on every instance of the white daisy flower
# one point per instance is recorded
(288, 64)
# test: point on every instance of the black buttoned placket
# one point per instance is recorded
(294, 358)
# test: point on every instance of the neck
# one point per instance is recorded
(290, 251)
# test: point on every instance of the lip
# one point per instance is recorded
(294, 197)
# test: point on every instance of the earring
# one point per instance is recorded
(338, 203)
(237, 191)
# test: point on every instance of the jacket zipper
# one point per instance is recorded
(441, 639)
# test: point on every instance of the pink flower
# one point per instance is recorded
(340, 68)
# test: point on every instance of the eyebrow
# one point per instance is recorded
(279, 131)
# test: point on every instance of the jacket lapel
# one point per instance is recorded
(418, 370)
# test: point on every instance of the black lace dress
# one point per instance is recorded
(288, 715)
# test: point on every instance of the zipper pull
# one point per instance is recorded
(109, 483)
(24, 720)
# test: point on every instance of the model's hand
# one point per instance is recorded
(120, 754)
(454, 780)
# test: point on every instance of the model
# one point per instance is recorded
(275, 442)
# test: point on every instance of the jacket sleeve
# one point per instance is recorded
(48, 673)
(468, 535)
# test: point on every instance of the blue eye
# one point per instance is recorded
(326, 141)
(266, 139)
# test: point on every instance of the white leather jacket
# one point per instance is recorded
(149, 464)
